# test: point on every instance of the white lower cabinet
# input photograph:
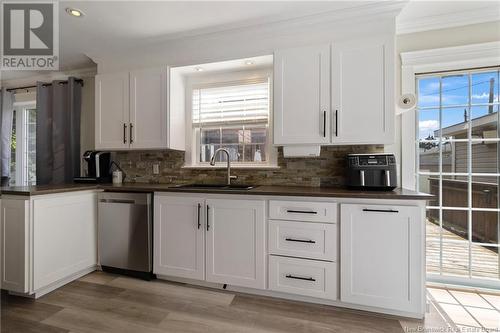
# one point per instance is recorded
(303, 277)
(382, 256)
(179, 237)
(47, 240)
(64, 237)
(234, 250)
(15, 245)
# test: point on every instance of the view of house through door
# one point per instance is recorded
(458, 161)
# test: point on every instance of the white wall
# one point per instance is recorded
(248, 42)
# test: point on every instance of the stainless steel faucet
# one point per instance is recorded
(212, 163)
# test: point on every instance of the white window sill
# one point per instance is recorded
(233, 166)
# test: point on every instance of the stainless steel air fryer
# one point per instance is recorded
(372, 171)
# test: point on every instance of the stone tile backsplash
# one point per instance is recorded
(327, 170)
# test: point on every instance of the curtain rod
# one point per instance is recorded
(43, 85)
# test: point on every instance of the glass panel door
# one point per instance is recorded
(458, 161)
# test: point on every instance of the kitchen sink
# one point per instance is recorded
(234, 187)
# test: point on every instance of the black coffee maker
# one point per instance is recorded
(97, 167)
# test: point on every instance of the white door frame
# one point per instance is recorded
(434, 60)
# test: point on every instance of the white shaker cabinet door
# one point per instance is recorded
(112, 111)
(235, 234)
(64, 236)
(302, 95)
(15, 245)
(148, 109)
(363, 91)
(382, 256)
(179, 229)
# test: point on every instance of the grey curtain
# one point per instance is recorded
(58, 131)
(6, 118)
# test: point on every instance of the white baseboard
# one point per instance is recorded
(45, 290)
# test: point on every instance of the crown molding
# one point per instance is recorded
(448, 20)
(456, 54)
(50, 76)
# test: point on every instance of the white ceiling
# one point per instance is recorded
(116, 25)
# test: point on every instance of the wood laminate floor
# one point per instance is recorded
(101, 302)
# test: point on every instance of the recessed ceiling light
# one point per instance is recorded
(199, 69)
(249, 62)
(74, 12)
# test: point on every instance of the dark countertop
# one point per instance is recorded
(333, 192)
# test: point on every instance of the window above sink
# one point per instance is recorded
(228, 105)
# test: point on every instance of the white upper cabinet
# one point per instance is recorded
(236, 242)
(382, 256)
(148, 116)
(355, 107)
(112, 111)
(132, 111)
(179, 236)
(363, 91)
(302, 95)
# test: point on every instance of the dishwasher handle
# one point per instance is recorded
(122, 201)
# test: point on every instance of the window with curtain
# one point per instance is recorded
(234, 116)
(23, 145)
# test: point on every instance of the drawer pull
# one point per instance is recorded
(301, 211)
(381, 210)
(300, 240)
(289, 276)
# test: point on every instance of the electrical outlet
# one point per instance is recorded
(156, 169)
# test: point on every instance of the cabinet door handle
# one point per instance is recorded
(324, 124)
(290, 276)
(380, 210)
(336, 122)
(301, 211)
(208, 224)
(300, 240)
(199, 213)
(131, 131)
(124, 133)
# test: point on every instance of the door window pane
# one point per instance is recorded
(455, 192)
(484, 156)
(485, 227)
(428, 92)
(455, 258)
(428, 124)
(485, 192)
(485, 262)
(484, 122)
(485, 87)
(455, 89)
(455, 224)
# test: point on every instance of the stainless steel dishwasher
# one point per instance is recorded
(125, 233)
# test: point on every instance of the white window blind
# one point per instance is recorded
(234, 116)
(238, 103)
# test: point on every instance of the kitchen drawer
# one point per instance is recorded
(303, 211)
(303, 277)
(303, 239)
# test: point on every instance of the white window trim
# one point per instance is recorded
(19, 107)
(434, 60)
(215, 79)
